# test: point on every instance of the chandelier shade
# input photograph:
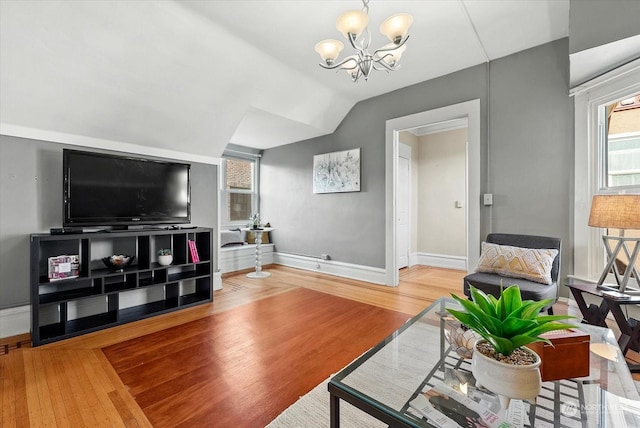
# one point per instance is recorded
(396, 27)
(353, 25)
(393, 55)
(329, 50)
(352, 22)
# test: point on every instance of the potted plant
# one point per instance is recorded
(165, 257)
(255, 221)
(501, 363)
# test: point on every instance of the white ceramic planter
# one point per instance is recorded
(165, 260)
(507, 380)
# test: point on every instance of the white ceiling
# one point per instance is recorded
(193, 76)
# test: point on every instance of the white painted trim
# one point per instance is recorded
(99, 143)
(436, 128)
(243, 257)
(217, 280)
(14, 321)
(438, 260)
(588, 257)
(469, 109)
(405, 151)
(331, 267)
(607, 78)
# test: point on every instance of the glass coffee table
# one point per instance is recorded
(416, 358)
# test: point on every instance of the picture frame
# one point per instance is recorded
(337, 172)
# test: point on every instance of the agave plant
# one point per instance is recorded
(509, 322)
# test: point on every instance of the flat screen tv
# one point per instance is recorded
(109, 190)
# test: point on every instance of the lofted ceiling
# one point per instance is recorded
(193, 76)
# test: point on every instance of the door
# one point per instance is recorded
(404, 206)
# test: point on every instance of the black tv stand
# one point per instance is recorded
(100, 298)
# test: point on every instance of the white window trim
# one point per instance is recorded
(224, 219)
(588, 248)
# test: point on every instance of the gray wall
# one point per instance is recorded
(31, 202)
(349, 226)
(531, 157)
(531, 145)
(594, 23)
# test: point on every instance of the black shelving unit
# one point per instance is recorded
(100, 298)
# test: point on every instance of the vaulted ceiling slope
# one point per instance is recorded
(192, 76)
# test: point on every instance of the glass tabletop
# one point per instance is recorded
(417, 359)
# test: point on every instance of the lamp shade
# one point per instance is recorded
(329, 50)
(396, 27)
(615, 211)
(353, 21)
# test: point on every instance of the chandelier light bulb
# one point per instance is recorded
(352, 22)
(396, 27)
(329, 50)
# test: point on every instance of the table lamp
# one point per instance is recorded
(618, 212)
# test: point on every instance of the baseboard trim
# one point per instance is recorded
(217, 280)
(438, 260)
(15, 321)
(331, 267)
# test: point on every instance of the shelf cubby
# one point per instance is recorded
(101, 298)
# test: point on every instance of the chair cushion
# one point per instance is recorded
(490, 284)
(533, 264)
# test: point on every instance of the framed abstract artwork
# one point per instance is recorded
(337, 172)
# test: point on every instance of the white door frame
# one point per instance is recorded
(404, 151)
(468, 109)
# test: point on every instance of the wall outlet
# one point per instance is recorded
(325, 256)
(488, 199)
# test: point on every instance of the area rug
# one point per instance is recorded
(245, 366)
(312, 411)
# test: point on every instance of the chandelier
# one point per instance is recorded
(353, 25)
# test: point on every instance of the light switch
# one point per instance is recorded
(458, 204)
(488, 199)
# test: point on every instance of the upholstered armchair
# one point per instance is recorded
(535, 272)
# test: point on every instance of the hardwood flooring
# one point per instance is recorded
(72, 383)
(262, 356)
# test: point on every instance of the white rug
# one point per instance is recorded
(312, 411)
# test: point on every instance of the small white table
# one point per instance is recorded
(259, 273)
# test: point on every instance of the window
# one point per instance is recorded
(607, 148)
(620, 143)
(239, 190)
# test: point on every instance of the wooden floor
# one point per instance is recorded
(263, 355)
(73, 383)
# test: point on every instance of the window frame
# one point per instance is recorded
(590, 154)
(225, 221)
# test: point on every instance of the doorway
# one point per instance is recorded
(469, 110)
(438, 194)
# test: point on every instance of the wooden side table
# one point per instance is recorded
(611, 301)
